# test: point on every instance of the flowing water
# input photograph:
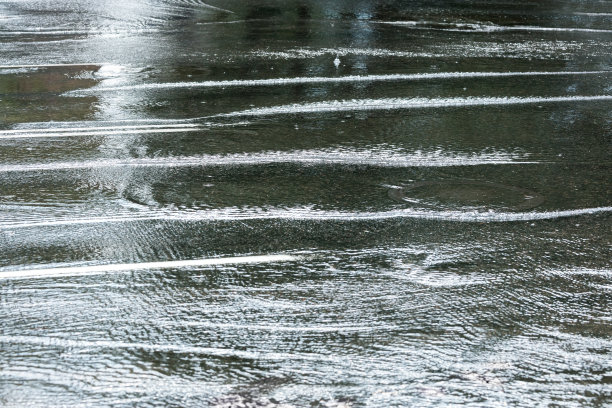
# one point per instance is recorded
(305, 203)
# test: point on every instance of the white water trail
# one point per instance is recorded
(308, 214)
(344, 79)
(486, 28)
(340, 52)
(56, 342)
(93, 128)
(278, 328)
(593, 14)
(210, 6)
(64, 131)
(54, 134)
(605, 273)
(39, 273)
(406, 103)
(372, 157)
(85, 64)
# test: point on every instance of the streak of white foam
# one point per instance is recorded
(51, 65)
(199, 3)
(173, 348)
(45, 32)
(279, 328)
(84, 221)
(486, 28)
(113, 122)
(406, 103)
(99, 133)
(209, 6)
(205, 23)
(344, 79)
(39, 273)
(520, 49)
(311, 53)
(62, 131)
(308, 214)
(373, 157)
(607, 273)
(554, 29)
(92, 128)
(593, 14)
(110, 31)
(439, 280)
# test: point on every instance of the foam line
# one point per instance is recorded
(48, 32)
(99, 133)
(594, 14)
(486, 28)
(540, 29)
(114, 268)
(209, 6)
(83, 221)
(406, 103)
(92, 128)
(80, 32)
(279, 328)
(51, 65)
(373, 157)
(307, 214)
(341, 51)
(114, 122)
(199, 3)
(583, 271)
(558, 29)
(163, 348)
(344, 79)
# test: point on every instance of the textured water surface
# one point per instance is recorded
(305, 203)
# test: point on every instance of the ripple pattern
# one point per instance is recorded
(342, 204)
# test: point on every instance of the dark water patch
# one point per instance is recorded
(469, 194)
(36, 92)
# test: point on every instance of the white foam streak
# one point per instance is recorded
(111, 31)
(52, 134)
(373, 157)
(61, 131)
(115, 268)
(198, 3)
(84, 221)
(553, 29)
(344, 79)
(209, 6)
(174, 348)
(593, 14)
(308, 214)
(407, 103)
(486, 28)
(341, 51)
(51, 65)
(92, 128)
(605, 273)
(279, 328)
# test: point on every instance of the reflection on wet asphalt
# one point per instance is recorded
(305, 203)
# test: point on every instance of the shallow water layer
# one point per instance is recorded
(305, 203)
